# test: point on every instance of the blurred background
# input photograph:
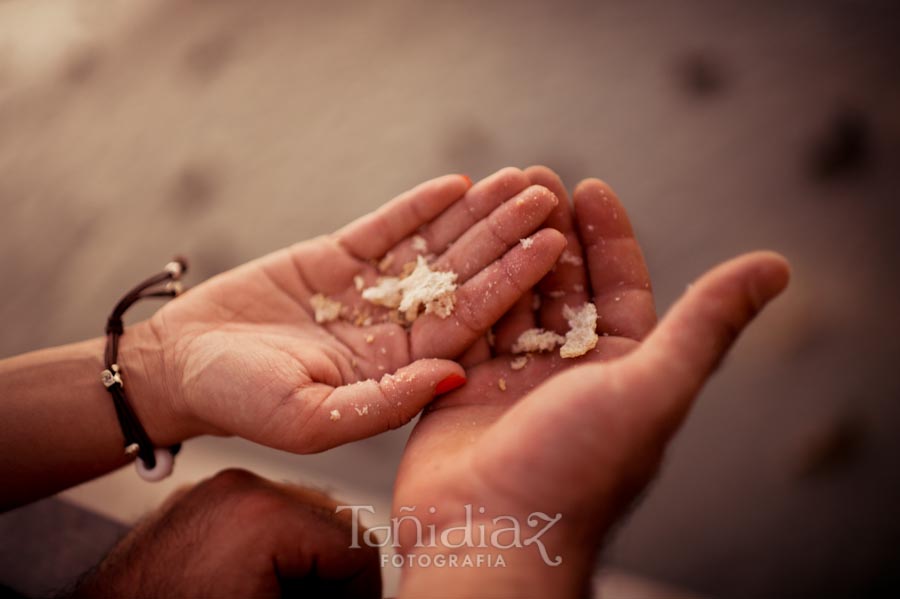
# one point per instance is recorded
(226, 129)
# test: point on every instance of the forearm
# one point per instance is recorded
(59, 425)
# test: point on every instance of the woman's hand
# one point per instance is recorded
(580, 443)
(244, 354)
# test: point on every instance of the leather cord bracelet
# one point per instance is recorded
(152, 464)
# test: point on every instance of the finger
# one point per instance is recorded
(370, 407)
(684, 350)
(478, 353)
(567, 283)
(479, 201)
(493, 236)
(372, 235)
(619, 279)
(617, 417)
(519, 319)
(482, 300)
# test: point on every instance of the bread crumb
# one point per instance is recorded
(535, 302)
(408, 268)
(423, 287)
(335, 415)
(370, 338)
(385, 293)
(362, 411)
(537, 340)
(326, 309)
(570, 258)
(359, 282)
(518, 363)
(582, 336)
(419, 244)
(501, 383)
(527, 242)
(556, 294)
(385, 263)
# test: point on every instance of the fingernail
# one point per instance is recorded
(449, 384)
(467, 178)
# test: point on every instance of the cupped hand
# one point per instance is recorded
(244, 353)
(577, 437)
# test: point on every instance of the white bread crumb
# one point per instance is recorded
(362, 411)
(419, 244)
(385, 293)
(359, 282)
(326, 309)
(556, 294)
(385, 263)
(335, 415)
(423, 287)
(537, 340)
(518, 363)
(501, 383)
(570, 258)
(582, 336)
(527, 242)
(370, 338)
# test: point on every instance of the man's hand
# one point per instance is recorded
(244, 354)
(586, 441)
(237, 535)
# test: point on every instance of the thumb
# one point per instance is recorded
(370, 407)
(685, 349)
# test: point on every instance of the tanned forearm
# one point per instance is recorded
(58, 425)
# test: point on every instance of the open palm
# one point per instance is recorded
(579, 437)
(245, 354)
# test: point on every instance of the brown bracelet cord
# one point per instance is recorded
(137, 443)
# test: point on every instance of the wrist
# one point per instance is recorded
(148, 386)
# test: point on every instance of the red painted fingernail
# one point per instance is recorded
(449, 384)
(467, 178)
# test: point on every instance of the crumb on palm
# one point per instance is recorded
(385, 263)
(422, 287)
(326, 309)
(419, 244)
(537, 340)
(570, 258)
(582, 336)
